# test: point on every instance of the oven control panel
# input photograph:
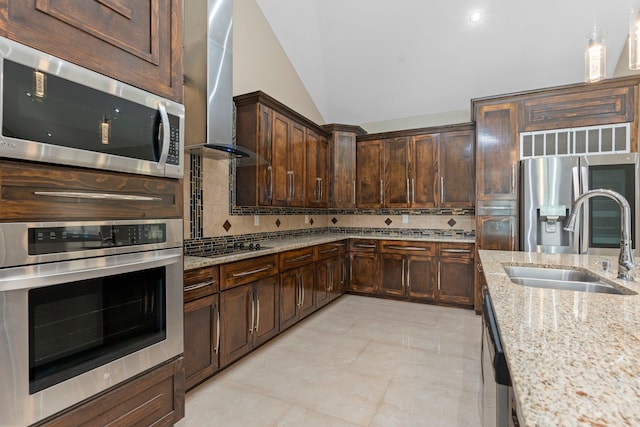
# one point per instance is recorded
(49, 240)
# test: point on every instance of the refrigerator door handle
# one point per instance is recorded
(585, 214)
(575, 236)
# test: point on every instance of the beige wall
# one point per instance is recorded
(260, 63)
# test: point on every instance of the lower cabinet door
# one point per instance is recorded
(289, 298)
(421, 277)
(267, 309)
(201, 323)
(323, 282)
(393, 267)
(456, 281)
(363, 276)
(236, 324)
(307, 283)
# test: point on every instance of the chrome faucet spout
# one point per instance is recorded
(625, 259)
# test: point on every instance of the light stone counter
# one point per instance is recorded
(574, 357)
(275, 246)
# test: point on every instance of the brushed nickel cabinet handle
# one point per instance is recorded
(513, 178)
(257, 312)
(270, 169)
(408, 248)
(408, 191)
(438, 275)
(328, 251)
(257, 270)
(354, 191)
(408, 273)
(293, 185)
(403, 273)
(98, 196)
(413, 190)
(253, 313)
(298, 258)
(381, 191)
(199, 285)
(456, 251)
(364, 246)
(442, 189)
(299, 289)
(217, 347)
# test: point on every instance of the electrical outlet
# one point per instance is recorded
(405, 219)
(256, 220)
(306, 219)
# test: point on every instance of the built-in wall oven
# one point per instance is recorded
(54, 111)
(84, 306)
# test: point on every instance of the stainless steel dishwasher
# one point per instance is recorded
(496, 382)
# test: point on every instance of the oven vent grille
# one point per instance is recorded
(605, 139)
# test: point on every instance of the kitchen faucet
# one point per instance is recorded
(625, 259)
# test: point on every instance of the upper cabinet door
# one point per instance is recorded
(344, 170)
(423, 183)
(317, 171)
(497, 152)
(297, 158)
(457, 169)
(396, 173)
(369, 175)
(137, 42)
(280, 173)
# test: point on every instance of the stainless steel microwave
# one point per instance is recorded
(54, 111)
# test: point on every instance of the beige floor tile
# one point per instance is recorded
(359, 361)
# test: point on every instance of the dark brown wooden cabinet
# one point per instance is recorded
(317, 171)
(456, 274)
(297, 286)
(31, 191)
(281, 137)
(155, 397)
(456, 169)
(408, 269)
(343, 164)
(396, 172)
(201, 324)
(370, 174)
(249, 302)
(330, 272)
(363, 266)
(421, 168)
(137, 42)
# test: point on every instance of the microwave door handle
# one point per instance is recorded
(166, 135)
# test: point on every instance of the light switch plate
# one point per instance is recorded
(306, 219)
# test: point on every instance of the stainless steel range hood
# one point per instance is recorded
(208, 81)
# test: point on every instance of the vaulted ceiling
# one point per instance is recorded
(365, 61)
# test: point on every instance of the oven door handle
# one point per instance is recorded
(166, 135)
(36, 276)
(98, 196)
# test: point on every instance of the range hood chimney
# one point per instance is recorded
(208, 81)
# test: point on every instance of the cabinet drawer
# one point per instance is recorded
(595, 107)
(296, 258)
(31, 191)
(363, 245)
(456, 250)
(241, 272)
(154, 398)
(327, 250)
(201, 282)
(408, 247)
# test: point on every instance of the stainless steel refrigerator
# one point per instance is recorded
(549, 185)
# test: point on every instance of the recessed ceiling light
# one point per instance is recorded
(476, 17)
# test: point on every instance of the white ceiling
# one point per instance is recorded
(365, 61)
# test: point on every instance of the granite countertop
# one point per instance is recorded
(574, 357)
(275, 246)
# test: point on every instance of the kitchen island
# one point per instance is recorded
(574, 357)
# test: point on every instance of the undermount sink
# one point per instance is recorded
(559, 278)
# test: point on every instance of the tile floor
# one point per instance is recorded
(358, 362)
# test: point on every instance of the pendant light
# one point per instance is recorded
(595, 55)
(634, 36)
(595, 58)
